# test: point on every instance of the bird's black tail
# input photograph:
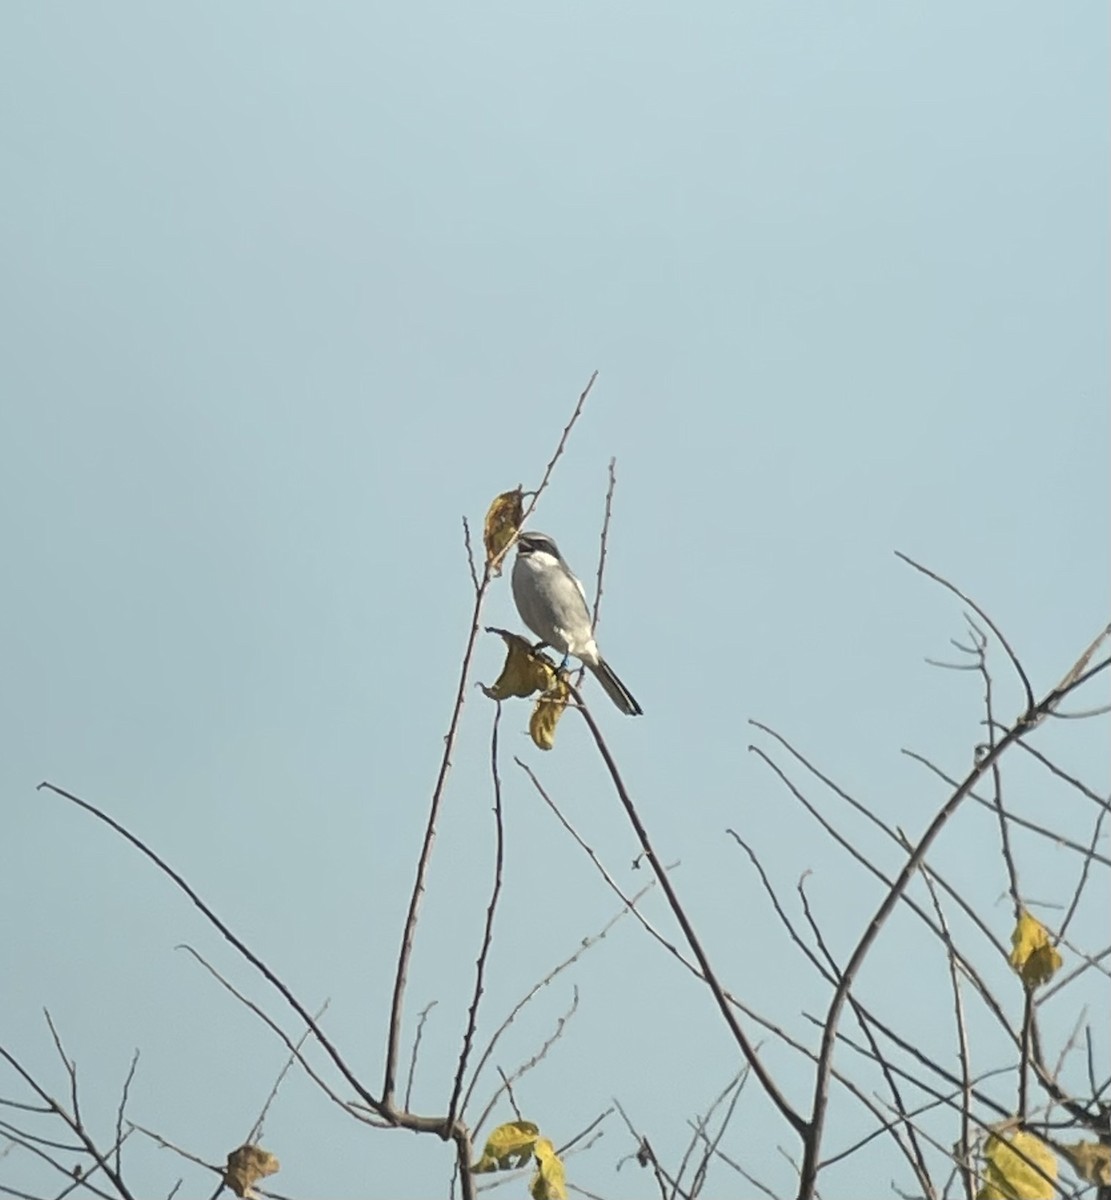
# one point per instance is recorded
(616, 690)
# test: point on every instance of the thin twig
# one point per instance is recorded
(645, 1156)
(488, 928)
(70, 1066)
(168, 1145)
(981, 643)
(780, 912)
(470, 553)
(580, 674)
(422, 1017)
(848, 844)
(964, 1157)
(614, 886)
(712, 1146)
(869, 866)
(562, 1150)
(984, 616)
(534, 1061)
(1060, 984)
(560, 447)
(595, 617)
(586, 944)
(255, 1136)
(912, 1150)
(72, 1120)
(272, 1025)
(697, 1125)
(1074, 903)
(122, 1107)
(507, 1083)
(1082, 788)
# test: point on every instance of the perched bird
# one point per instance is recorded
(552, 604)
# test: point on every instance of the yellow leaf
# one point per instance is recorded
(548, 1183)
(550, 707)
(246, 1166)
(508, 1147)
(503, 519)
(1034, 956)
(1090, 1160)
(1008, 1173)
(524, 672)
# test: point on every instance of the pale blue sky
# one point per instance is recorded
(290, 288)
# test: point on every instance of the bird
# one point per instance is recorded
(552, 603)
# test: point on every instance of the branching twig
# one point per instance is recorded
(123, 1106)
(984, 617)
(534, 1061)
(71, 1119)
(586, 944)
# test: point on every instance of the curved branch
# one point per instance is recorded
(769, 1085)
(984, 616)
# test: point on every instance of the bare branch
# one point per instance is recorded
(604, 542)
(963, 1156)
(1074, 903)
(255, 1136)
(470, 554)
(401, 974)
(488, 929)
(629, 902)
(270, 1023)
(780, 912)
(1057, 838)
(70, 1119)
(230, 937)
(159, 1140)
(586, 944)
(534, 1061)
(422, 1017)
(813, 1134)
(122, 1108)
(562, 1150)
(769, 1085)
(560, 447)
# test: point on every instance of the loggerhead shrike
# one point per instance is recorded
(552, 604)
